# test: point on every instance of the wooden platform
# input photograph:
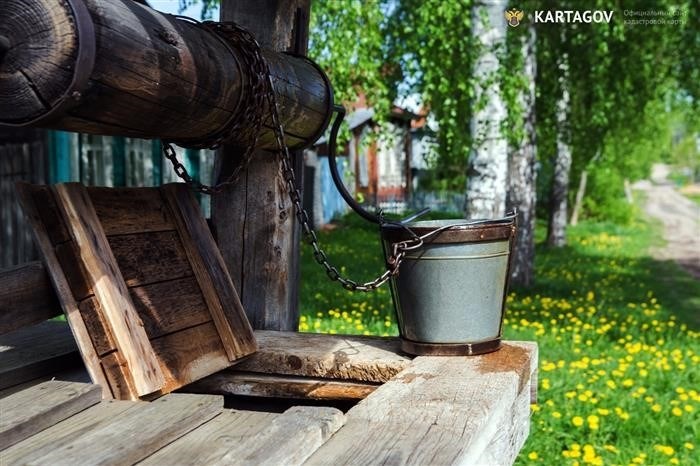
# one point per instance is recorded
(427, 410)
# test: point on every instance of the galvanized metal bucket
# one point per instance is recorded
(449, 294)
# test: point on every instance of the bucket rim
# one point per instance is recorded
(453, 230)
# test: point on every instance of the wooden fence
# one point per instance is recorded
(53, 156)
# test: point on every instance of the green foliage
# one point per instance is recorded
(347, 40)
(621, 79)
(605, 196)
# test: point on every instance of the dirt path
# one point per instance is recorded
(680, 217)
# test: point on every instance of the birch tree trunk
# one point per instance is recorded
(556, 231)
(488, 161)
(521, 172)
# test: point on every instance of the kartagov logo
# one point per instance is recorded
(514, 16)
(570, 16)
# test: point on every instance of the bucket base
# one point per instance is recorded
(449, 349)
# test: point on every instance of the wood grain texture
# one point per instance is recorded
(61, 286)
(154, 76)
(50, 216)
(211, 272)
(31, 450)
(134, 434)
(367, 359)
(116, 371)
(145, 258)
(120, 215)
(233, 382)
(32, 352)
(211, 441)
(510, 437)
(190, 355)
(70, 374)
(25, 413)
(42, 42)
(253, 219)
(171, 306)
(290, 439)
(164, 308)
(109, 288)
(168, 288)
(26, 297)
(440, 410)
(97, 326)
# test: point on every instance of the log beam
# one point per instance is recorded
(253, 219)
(116, 67)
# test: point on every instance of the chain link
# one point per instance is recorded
(263, 88)
(245, 126)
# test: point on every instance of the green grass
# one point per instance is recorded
(617, 330)
(694, 197)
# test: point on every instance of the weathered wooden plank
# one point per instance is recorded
(31, 352)
(32, 410)
(134, 434)
(440, 410)
(108, 286)
(77, 278)
(120, 215)
(31, 450)
(164, 308)
(116, 370)
(170, 306)
(534, 351)
(211, 273)
(211, 441)
(97, 326)
(253, 218)
(189, 355)
(26, 297)
(71, 374)
(367, 359)
(290, 439)
(48, 212)
(233, 382)
(145, 258)
(510, 437)
(60, 284)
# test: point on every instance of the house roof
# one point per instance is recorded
(360, 116)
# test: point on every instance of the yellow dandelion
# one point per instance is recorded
(665, 449)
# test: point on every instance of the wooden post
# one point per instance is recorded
(253, 219)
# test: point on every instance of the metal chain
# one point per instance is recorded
(263, 86)
(246, 126)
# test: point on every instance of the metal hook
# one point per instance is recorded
(332, 148)
(332, 154)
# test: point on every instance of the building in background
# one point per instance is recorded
(381, 165)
